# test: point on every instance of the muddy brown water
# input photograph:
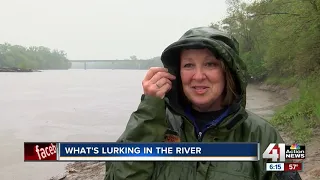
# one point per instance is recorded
(74, 105)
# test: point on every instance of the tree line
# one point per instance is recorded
(43, 58)
(33, 57)
(280, 43)
(279, 38)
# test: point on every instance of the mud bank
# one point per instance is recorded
(286, 93)
(83, 171)
(312, 161)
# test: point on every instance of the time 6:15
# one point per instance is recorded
(274, 167)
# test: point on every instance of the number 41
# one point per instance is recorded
(275, 152)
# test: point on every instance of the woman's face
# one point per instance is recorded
(202, 79)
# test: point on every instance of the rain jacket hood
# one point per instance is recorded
(220, 43)
(224, 46)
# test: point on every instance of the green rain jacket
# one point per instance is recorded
(157, 117)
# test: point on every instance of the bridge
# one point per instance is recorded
(136, 64)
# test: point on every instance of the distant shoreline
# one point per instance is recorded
(13, 69)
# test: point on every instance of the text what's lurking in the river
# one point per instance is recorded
(132, 150)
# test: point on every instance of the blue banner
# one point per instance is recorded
(159, 151)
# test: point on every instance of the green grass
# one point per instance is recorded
(301, 116)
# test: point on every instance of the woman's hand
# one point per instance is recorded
(157, 82)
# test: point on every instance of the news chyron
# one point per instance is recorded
(40, 151)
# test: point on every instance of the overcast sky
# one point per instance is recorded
(104, 29)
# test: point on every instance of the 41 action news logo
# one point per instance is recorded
(281, 152)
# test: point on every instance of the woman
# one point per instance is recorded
(199, 95)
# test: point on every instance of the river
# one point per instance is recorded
(73, 105)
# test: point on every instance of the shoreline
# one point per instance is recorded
(14, 69)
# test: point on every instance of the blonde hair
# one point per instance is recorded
(230, 87)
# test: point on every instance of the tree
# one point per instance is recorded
(32, 57)
(133, 57)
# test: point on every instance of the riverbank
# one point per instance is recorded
(261, 100)
(298, 121)
(13, 69)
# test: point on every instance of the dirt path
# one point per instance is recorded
(260, 102)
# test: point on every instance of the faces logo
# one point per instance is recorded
(44, 153)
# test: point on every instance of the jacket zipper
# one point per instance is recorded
(201, 133)
(200, 136)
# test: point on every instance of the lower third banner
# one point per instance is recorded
(158, 151)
